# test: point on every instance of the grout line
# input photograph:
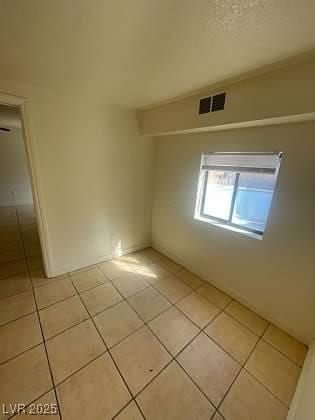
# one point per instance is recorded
(145, 323)
(16, 292)
(275, 348)
(16, 319)
(106, 347)
(81, 367)
(173, 357)
(58, 301)
(267, 389)
(95, 315)
(32, 402)
(44, 343)
(244, 368)
(242, 323)
(236, 377)
(21, 353)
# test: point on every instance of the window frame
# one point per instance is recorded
(202, 190)
(218, 219)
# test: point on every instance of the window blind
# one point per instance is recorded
(241, 162)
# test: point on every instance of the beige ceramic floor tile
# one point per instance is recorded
(39, 278)
(100, 298)
(129, 284)
(245, 316)
(24, 378)
(32, 249)
(137, 258)
(232, 336)
(30, 239)
(217, 416)
(113, 269)
(9, 212)
(286, 344)
(275, 371)
(88, 279)
(18, 336)
(11, 255)
(173, 329)
(131, 412)
(154, 255)
(148, 303)
(214, 295)
(27, 219)
(140, 357)
(16, 306)
(62, 315)
(95, 392)
(29, 226)
(10, 245)
(9, 228)
(15, 284)
(152, 273)
(10, 236)
(210, 367)
(30, 236)
(73, 349)
(35, 262)
(12, 268)
(173, 289)
(80, 270)
(54, 292)
(117, 322)
(47, 403)
(248, 399)
(190, 279)
(172, 395)
(198, 309)
(170, 265)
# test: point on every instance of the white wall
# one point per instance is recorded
(303, 404)
(279, 93)
(274, 276)
(14, 176)
(94, 172)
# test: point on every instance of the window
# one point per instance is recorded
(235, 190)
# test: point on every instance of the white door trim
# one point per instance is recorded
(22, 104)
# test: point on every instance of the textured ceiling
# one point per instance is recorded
(138, 52)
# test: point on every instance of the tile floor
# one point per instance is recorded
(132, 338)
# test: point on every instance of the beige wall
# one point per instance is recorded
(279, 93)
(14, 176)
(94, 173)
(303, 404)
(274, 276)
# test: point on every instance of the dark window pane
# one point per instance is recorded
(219, 192)
(253, 200)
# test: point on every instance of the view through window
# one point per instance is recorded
(236, 189)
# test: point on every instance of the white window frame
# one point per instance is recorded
(202, 188)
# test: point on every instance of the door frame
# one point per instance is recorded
(22, 105)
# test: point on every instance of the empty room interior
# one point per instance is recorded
(157, 252)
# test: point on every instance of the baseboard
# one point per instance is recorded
(205, 276)
(303, 403)
(18, 203)
(73, 267)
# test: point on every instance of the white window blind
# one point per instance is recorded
(241, 162)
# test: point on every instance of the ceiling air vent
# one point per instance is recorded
(205, 105)
(218, 102)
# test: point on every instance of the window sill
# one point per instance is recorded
(228, 227)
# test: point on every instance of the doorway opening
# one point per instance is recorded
(20, 243)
